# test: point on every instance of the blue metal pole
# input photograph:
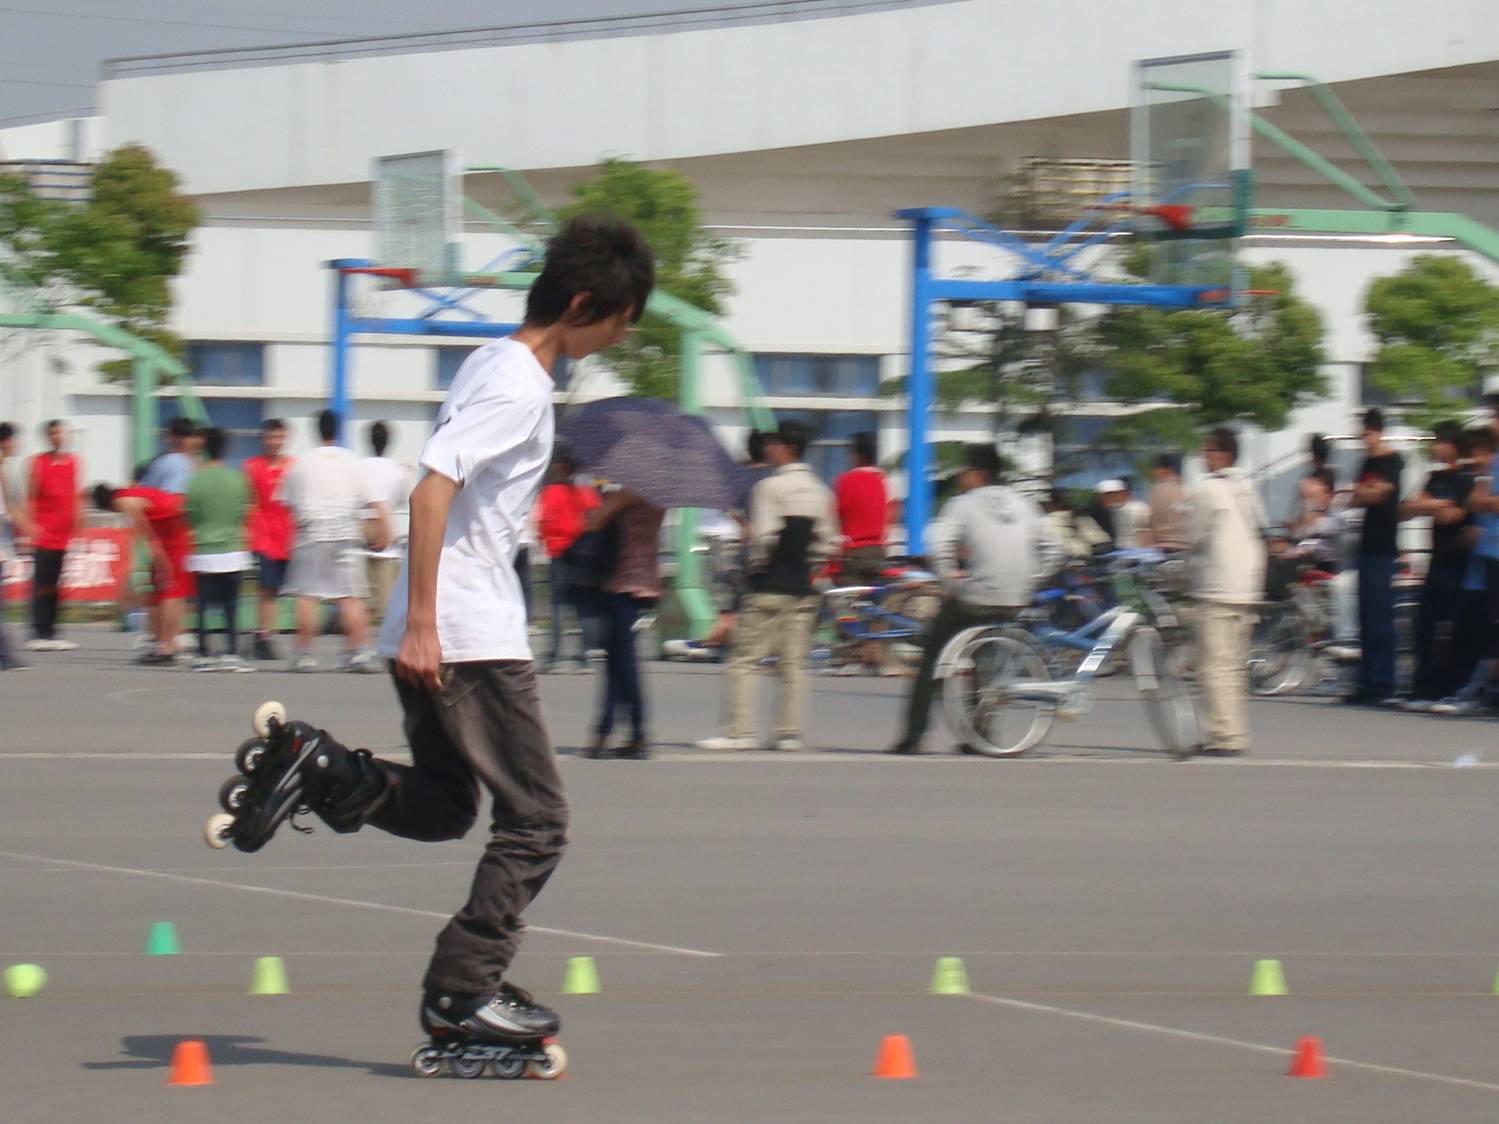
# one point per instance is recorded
(919, 388)
(338, 395)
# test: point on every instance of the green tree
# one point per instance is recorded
(1437, 323)
(690, 263)
(1199, 368)
(115, 254)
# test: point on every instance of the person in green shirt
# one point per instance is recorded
(217, 500)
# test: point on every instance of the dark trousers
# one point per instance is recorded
(484, 727)
(219, 591)
(1376, 625)
(951, 619)
(46, 573)
(1477, 623)
(559, 582)
(622, 688)
(1436, 642)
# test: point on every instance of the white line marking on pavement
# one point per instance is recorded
(1199, 1036)
(356, 903)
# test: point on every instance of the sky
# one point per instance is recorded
(50, 50)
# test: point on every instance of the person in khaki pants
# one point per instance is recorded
(791, 531)
(1226, 541)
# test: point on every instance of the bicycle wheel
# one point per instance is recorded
(982, 664)
(1278, 652)
(1168, 699)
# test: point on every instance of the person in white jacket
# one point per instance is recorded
(989, 546)
(1226, 541)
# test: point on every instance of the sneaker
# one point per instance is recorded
(36, 644)
(1343, 653)
(1391, 702)
(1455, 706)
(676, 649)
(303, 664)
(849, 669)
(61, 646)
(788, 743)
(638, 749)
(1418, 706)
(726, 743)
(232, 662)
(262, 649)
(596, 655)
(360, 663)
(207, 663)
(153, 658)
(143, 641)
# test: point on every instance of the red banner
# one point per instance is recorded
(92, 570)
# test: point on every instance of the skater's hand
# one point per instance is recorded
(419, 660)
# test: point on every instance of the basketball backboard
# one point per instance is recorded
(1189, 145)
(418, 212)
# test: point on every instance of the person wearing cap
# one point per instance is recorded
(1108, 497)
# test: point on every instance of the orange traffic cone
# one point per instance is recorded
(895, 1059)
(190, 1064)
(1308, 1061)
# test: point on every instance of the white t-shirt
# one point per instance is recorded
(494, 437)
(389, 482)
(327, 494)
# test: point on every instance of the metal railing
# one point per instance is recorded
(551, 31)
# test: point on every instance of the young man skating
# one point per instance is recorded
(456, 633)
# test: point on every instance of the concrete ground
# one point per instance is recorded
(761, 921)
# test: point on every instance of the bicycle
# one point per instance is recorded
(997, 680)
(896, 613)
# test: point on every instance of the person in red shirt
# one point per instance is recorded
(160, 519)
(54, 500)
(269, 528)
(863, 514)
(561, 510)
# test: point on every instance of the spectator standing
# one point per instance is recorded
(634, 583)
(269, 529)
(1444, 500)
(54, 515)
(561, 511)
(389, 481)
(217, 500)
(327, 493)
(989, 546)
(790, 533)
(1226, 538)
(1378, 494)
(15, 524)
(160, 520)
(1168, 507)
(173, 470)
(1131, 518)
(1477, 640)
(863, 504)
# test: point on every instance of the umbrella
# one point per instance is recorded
(662, 455)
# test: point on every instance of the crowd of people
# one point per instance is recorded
(322, 528)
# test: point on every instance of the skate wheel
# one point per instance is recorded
(249, 755)
(508, 1066)
(265, 714)
(232, 793)
(553, 1067)
(217, 831)
(467, 1067)
(426, 1061)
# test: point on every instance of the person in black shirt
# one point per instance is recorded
(1444, 500)
(1377, 491)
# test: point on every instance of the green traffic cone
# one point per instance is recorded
(949, 977)
(162, 939)
(582, 977)
(269, 977)
(1268, 978)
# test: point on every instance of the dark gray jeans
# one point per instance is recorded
(485, 728)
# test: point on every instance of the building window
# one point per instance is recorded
(449, 359)
(841, 376)
(239, 418)
(226, 364)
(831, 430)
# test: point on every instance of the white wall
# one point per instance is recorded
(665, 96)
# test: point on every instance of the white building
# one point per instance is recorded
(802, 135)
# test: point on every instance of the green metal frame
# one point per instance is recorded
(699, 331)
(1393, 213)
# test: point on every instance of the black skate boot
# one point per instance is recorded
(510, 1033)
(293, 769)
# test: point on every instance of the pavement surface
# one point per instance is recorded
(760, 921)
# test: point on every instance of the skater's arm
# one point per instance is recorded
(419, 660)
